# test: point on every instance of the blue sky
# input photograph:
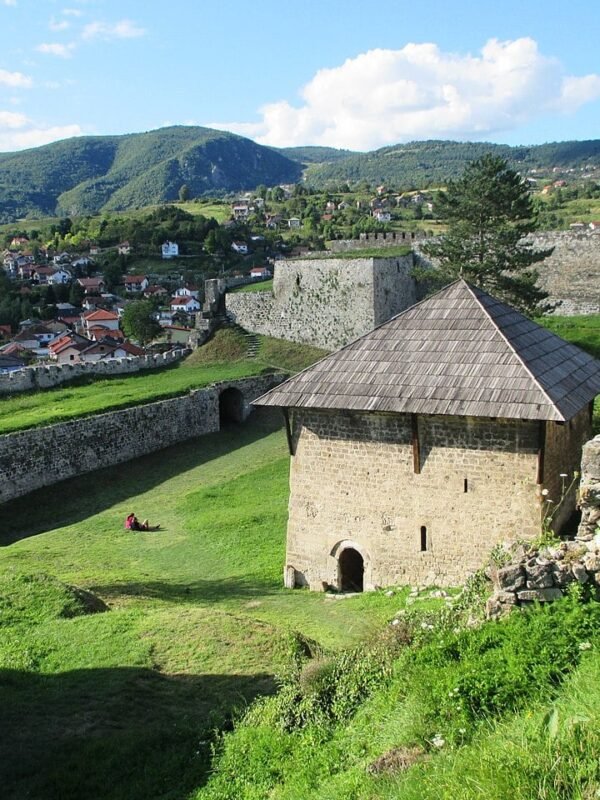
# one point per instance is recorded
(344, 74)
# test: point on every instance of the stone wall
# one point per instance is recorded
(589, 490)
(370, 240)
(327, 302)
(353, 485)
(43, 456)
(47, 376)
(571, 275)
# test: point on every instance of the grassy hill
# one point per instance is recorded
(93, 173)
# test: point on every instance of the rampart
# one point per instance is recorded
(366, 241)
(43, 456)
(48, 375)
(327, 302)
(571, 274)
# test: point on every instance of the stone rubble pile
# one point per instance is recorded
(544, 574)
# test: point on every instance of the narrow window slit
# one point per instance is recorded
(466, 485)
(423, 538)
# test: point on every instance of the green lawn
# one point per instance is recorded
(259, 286)
(30, 410)
(123, 705)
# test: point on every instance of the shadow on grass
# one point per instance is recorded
(113, 734)
(193, 592)
(76, 499)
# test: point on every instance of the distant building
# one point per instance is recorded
(170, 250)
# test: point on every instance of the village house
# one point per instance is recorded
(100, 318)
(10, 363)
(169, 250)
(240, 247)
(260, 272)
(240, 210)
(91, 286)
(421, 445)
(124, 249)
(381, 215)
(294, 222)
(185, 303)
(189, 290)
(59, 277)
(135, 283)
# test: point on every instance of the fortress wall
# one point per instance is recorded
(571, 274)
(326, 302)
(43, 456)
(47, 376)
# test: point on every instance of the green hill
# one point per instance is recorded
(89, 174)
(420, 164)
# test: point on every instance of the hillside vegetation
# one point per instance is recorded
(431, 163)
(89, 174)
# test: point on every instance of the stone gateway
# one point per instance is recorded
(418, 447)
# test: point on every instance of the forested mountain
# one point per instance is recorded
(93, 173)
(89, 174)
(421, 164)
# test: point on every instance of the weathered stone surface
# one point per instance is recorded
(539, 595)
(579, 573)
(591, 562)
(511, 578)
(43, 456)
(327, 302)
(540, 576)
(48, 375)
(562, 575)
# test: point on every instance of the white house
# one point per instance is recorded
(59, 276)
(188, 304)
(260, 272)
(187, 291)
(240, 247)
(382, 216)
(294, 222)
(170, 249)
(135, 283)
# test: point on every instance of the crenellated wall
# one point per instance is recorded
(48, 375)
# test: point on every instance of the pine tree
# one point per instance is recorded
(489, 212)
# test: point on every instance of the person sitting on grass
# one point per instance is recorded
(133, 524)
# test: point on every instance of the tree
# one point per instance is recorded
(184, 193)
(139, 322)
(489, 211)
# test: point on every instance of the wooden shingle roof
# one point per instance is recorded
(460, 352)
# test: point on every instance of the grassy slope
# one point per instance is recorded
(223, 358)
(122, 705)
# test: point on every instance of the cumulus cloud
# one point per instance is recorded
(124, 29)
(387, 96)
(16, 80)
(17, 132)
(56, 49)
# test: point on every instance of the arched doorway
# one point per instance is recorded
(352, 570)
(231, 406)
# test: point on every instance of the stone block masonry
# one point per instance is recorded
(48, 376)
(43, 456)
(327, 302)
(354, 485)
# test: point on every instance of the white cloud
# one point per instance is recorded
(387, 96)
(9, 2)
(124, 29)
(15, 80)
(18, 132)
(55, 49)
(72, 12)
(59, 25)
